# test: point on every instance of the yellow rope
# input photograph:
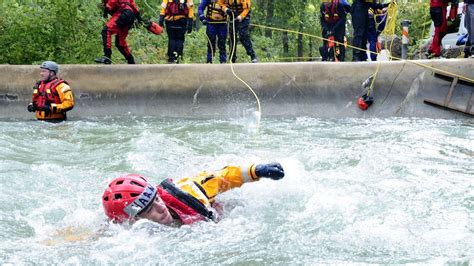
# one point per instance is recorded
(233, 50)
(353, 47)
(210, 45)
(391, 23)
(209, 40)
(389, 30)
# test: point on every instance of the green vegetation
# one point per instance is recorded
(69, 31)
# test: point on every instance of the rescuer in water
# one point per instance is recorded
(52, 96)
(185, 201)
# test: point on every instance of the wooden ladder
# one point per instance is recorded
(446, 104)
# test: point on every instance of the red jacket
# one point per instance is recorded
(114, 6)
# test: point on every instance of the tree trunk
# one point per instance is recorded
(270, 7)
(286, 48)
(301, 29)
(300, 42)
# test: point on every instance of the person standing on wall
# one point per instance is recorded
(438, 12)
(377, 21)
(216, 28)
(178, 15)
(124, 13)
(239, 16)
(468, 10)
(333, 23)
(52, 96)
(360, 23)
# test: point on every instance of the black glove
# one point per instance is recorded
(31, 108)
(161, 21)
(272, 170)
(106, 12)
(203, 20)
(230, 12)
(189, 26)
(47, 109)
(138, 17)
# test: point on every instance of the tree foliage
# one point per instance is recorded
(69, 31)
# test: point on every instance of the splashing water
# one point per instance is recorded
(356, 191)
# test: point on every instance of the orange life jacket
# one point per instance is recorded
(237, 5)
(215, 12)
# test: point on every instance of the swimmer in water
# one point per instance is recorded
(185, 201)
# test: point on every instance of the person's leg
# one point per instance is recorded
(107, 40)
(360, 24)
(244, 36)
(438, 15)
(372, 38)
(107, 46)
(211, 43)
(469, 21)
(122, 45)
(221, 39)
(171, 32)
(339, 37)
(323, 50)
(180, 37)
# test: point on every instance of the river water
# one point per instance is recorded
(393, 191)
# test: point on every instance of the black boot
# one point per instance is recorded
(253, 59)
(130, 59)
(106, 58)
(103, 60)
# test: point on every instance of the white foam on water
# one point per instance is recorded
(392, 191)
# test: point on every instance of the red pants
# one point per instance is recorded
(438, 15)
(110, 29)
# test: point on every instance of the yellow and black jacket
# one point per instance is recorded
(241, 7)
(192, 198)
(56, 93)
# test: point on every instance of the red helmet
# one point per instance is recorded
(127, 196)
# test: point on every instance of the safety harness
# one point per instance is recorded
(177, 8)
(214, 12)
(237, 5)
(330, 12)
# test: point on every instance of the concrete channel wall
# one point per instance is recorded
(319, 89)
